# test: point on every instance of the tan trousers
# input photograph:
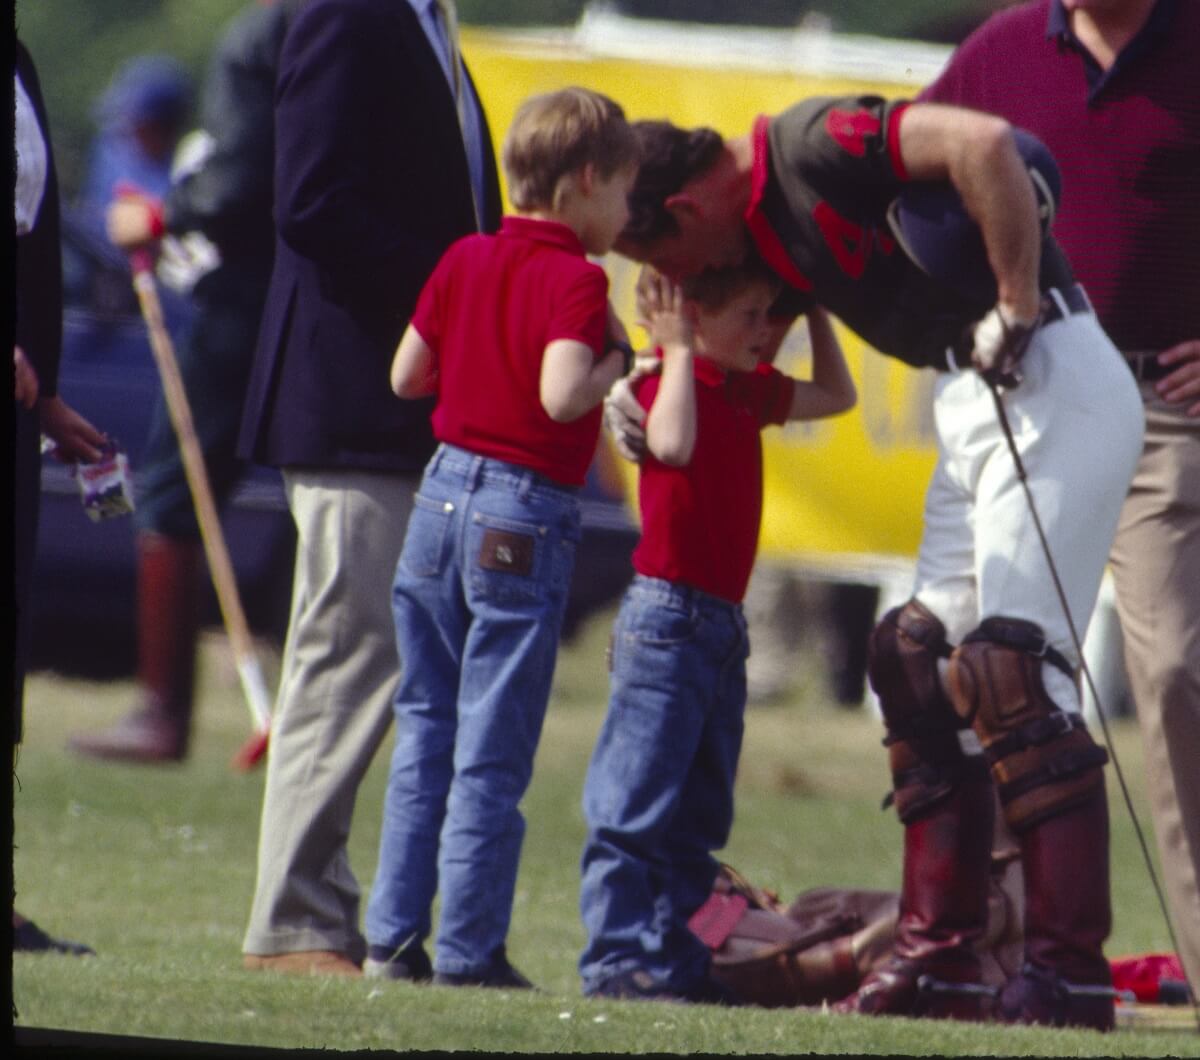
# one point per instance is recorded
(1156, 572)
(333, 709)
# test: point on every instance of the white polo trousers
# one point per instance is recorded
(1077, 420)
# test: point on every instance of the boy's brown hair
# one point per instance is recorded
(713, 289)
(558, 133)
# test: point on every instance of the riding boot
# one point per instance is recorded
(934, 970)
(1065, 979)
(168, 627)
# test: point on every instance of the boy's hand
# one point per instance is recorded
(661, 304)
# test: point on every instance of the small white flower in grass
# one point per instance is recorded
(374, 994)
(600, 1019)
(564, 1015)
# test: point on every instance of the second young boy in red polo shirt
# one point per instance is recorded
(658, 797)
(511, 333)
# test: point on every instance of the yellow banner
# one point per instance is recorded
(837, 491)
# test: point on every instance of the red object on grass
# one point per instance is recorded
(1143, 974)
(251, 752)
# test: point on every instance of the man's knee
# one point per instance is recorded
(1042, 758)
(926, 758)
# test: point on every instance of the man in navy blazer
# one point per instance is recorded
(375, 175)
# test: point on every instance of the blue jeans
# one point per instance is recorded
(478, 600)
(658, 797)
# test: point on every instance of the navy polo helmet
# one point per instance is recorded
(933, 228)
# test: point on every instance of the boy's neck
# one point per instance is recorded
(562, 217)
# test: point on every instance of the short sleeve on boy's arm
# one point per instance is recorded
(580, 310)
(427, 316)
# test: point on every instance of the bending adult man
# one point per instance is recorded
(810, 190)
(378, 168)
(1109, 86)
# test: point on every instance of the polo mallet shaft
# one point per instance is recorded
(250, 673)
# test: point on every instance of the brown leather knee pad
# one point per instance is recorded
(927, 762)
(1043, 759)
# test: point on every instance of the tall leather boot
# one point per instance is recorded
(168, 627)
(1065, 980)
(935, 971)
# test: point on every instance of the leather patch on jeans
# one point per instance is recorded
(504, 551)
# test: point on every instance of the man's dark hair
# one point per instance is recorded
(670, 157)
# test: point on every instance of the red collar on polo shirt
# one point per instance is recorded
(553, 232)
(770, 246)
(709, 372)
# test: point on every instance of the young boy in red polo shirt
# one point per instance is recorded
(512, 335)
(658, 797)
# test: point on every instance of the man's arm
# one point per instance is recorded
(232, 190)
(977, 154)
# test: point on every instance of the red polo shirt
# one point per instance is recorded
(700, 522)
(488, 312)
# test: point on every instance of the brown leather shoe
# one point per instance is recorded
(303, 962)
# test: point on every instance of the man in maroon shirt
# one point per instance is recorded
(1110, 87)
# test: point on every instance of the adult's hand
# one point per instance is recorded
(76, 439)
(25, 383)
(624, 417)
(134, 220)
(1183, 384)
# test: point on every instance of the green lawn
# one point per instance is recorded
(154, 868)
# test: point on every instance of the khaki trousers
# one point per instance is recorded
(333, 708)
(1156, 572)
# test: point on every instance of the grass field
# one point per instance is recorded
(154, 868)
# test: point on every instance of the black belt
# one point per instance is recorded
(1144, 365)
(1074, 300)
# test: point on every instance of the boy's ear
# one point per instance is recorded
(683, 204)
(587, 178)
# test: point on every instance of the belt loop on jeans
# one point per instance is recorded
(436, 459)
(474, 473)
(526, 484)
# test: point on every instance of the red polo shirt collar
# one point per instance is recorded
(770, 246)
(553, 232)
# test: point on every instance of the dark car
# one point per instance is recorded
(84, 607)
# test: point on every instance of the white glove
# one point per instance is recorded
(624, 417)
(999, 342)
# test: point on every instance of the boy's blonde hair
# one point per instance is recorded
(558, 133)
